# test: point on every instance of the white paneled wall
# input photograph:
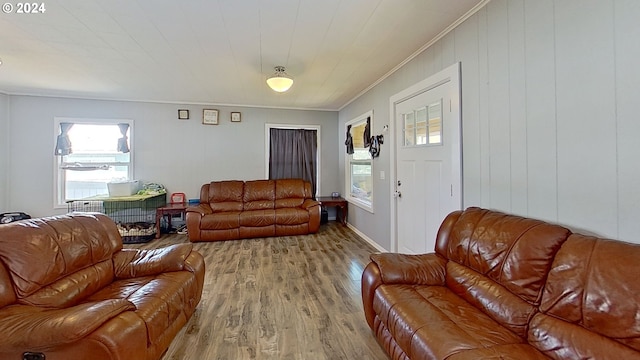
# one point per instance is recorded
(550, 116)
(586, 113)
(627, 123)
(541, 120)
(4, 151)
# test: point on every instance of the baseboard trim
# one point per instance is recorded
(367, 239)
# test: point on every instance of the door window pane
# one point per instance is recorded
(409, 129)
(423, 126)
(435, 123)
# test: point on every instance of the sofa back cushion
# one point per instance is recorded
(593, 287)
(500, 262)
(225, 196)
(513, 251)
(58, 261)
(259, 195)
(290, 193)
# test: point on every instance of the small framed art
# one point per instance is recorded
(210, 116)
(183, 114)
(235, 117)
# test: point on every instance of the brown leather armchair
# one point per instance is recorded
(69, 290)
(500, 286)
(233, 209)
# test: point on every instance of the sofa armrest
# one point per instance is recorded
(29, 327)
(131, 263)
(309, 203)
(393, 268)
(202, 209)
(313, 207)
(423, 269)
(194, 216)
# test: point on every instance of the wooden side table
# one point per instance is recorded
(170, 210)
(339, 203)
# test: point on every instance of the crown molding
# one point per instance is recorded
(437, 38)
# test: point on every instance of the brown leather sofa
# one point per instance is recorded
(233, 209)
(68, 290)
(506, 287)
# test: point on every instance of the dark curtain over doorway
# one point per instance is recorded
(293, 154)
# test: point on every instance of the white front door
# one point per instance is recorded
(427, 163)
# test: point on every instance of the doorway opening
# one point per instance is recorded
(293, 152)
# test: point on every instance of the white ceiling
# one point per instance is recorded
(216, 51)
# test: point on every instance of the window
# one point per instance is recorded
(94, 161)
(359, 167)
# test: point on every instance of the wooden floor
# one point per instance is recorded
(295, 297)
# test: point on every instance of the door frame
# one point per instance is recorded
(449, 74)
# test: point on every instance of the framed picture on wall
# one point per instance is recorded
(210, 116)
(235, 117)
(183, 114)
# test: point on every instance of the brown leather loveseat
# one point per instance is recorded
(234, 209)
(68, 290)
(506, 287)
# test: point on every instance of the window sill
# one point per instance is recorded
(360, 204)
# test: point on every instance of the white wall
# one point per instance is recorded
(550, 125)
(180, 154)
(4, 151)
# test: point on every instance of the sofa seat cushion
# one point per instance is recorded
(502, 352)
(257, 218)
(559, 339)
(71, 324)
(221, 221)
(257, 223)
(490, 297)
(433, 320)
(159, 300)
(292, 216)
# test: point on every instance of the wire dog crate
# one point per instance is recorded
(134, 215)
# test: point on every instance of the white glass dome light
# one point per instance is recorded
(280, 81)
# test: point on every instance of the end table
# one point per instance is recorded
(339, 203)
(170, 210)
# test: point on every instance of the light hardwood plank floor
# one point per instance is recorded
(293, 298)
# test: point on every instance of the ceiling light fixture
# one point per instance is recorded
(280, 81)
